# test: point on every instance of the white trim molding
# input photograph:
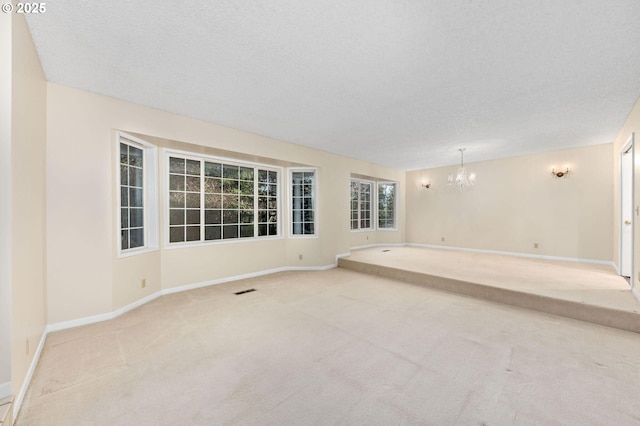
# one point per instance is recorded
(17, 404)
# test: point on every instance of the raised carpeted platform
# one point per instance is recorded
(587, 292)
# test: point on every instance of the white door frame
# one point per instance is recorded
(628, 147)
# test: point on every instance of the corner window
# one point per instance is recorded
(361, 205)
(137, 185)
(212, 200)
(303, 190)
(386, 205)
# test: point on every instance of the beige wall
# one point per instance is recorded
(84, 275)
(631, 125)
(29, 92)
(5, 203)
(516, 203)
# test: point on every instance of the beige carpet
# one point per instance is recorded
(588, 292)
(334, 348)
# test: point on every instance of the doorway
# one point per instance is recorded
(626, 208)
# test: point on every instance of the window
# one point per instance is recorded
(267, 203)
(212, 200)
(360, 205)
(303, 190)
(386, 205)
(137, 183)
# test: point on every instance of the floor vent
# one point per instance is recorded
(245, 291)
(386, 250)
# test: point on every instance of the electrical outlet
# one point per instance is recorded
(143, 284)
(535, 245)
(299, 257)
(27, 346)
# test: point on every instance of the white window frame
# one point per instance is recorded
(395, 206)
(290, 194)
(373, 202)
(167, 153)
(149, 190)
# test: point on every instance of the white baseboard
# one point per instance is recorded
(510, 253)
(377, 245)
(5, 389)
(63, 325)
(27, 380)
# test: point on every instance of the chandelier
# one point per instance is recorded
(462, 180)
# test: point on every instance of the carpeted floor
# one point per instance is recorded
(334, 347)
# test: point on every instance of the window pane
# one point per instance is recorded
(230, 201)
(193, 201)
(176, 234)
(210, 185)
(176, 182)
(213, 233)
(230, 231)
(193, 217)
(246, 216)
(212, 169)
(192, 184)
(230, 216)
(176, 217)
(124, 239)
(124, 197)
(135, 156)
(213, 201)
(193, 167)
(262, 230)
(193, 233)
(273, 229)
(135, 197)
(135, 177)
(246, 174)
(135, 218)
(246, 188)
(231, 172)
(124, 175)
(136, 238)
(176, 199)
(124, 218)
(176, 165)
(308, 228)
(230, 186)
(212, 217)
(246, 231)
(124, 153)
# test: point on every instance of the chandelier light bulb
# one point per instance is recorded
(462, 180)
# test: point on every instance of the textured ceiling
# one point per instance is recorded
(403, 83)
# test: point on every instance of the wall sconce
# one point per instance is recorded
(560, 173)
(426, 185)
